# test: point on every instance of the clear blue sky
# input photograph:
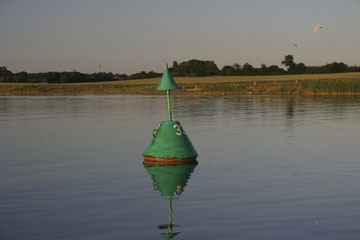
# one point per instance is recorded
(130, 36)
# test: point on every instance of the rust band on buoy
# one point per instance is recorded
(150, 160)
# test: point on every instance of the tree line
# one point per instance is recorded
(69, 77)
(198, 68)
(191, 68)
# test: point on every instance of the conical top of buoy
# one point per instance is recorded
(167, 82)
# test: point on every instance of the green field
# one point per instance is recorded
(338, 83)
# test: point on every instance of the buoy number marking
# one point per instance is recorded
(156, 130)
(179, 130)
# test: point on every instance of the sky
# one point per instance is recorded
(128, 36)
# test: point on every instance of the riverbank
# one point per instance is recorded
(306, 84)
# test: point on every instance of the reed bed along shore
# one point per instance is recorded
(306, 84)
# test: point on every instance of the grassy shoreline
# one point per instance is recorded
(305, 84)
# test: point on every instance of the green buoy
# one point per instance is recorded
(170, 181)
(169, 143)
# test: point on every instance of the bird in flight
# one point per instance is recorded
(317, 27)
(294, 44)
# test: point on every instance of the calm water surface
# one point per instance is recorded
(270, 167)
